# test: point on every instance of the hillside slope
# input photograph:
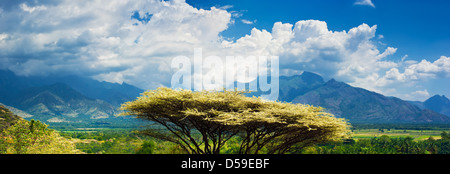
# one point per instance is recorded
(7, 118)
(437, 103)
(59, 101)
(360, 105)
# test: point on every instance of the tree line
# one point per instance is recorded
(384, 145)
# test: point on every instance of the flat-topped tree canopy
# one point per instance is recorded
(202, 122)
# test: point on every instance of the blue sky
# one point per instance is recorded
(393, 47)
(419, 28)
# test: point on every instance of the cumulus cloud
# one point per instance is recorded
(407, 78)
(102, 38)
(350, 56)
(416, 71)
(309, 45)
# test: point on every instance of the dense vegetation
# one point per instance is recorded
(384, 145)
(402, 126)
(121, 141)
(127, 142)
(33, 137)
(7, 118)
(19, 136)
(105, 142)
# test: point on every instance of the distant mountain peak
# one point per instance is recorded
(307, 73)
(438, 97)
(293, 86)
(311, 77)
(333, 83)
(71, 98)
(59, 89)
(61, 101)
(438, 103)
(362, 106)
(12, 86)
(332, 80)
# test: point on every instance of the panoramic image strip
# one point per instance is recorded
(304, 79)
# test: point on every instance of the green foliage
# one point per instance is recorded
(33, 137)
(105, 142)
(445, 136)
(146, 148)
(203, 122)
(383, 145)
(7, 118)
(120, 142)
(123, 141)
(402, 126)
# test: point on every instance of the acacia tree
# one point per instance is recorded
(202, 122)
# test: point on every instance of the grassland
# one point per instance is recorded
(418, 135)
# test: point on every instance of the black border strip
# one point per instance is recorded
(174, 162)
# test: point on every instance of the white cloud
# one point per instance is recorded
(100, 38)
(245, 21)
(225, 7)
(352, 56)
(365, 2)
(3, 36)
(401, 81)
(28, 9)
(425, 69)
(419, 95)
(309, 45)
(423, 93)
(387, 52)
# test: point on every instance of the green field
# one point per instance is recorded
(358, 133)
(418, 135)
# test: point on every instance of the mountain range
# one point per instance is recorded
(74, 99)
(63, 98)
(359, 105)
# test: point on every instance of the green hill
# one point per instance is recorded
(7, 118)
